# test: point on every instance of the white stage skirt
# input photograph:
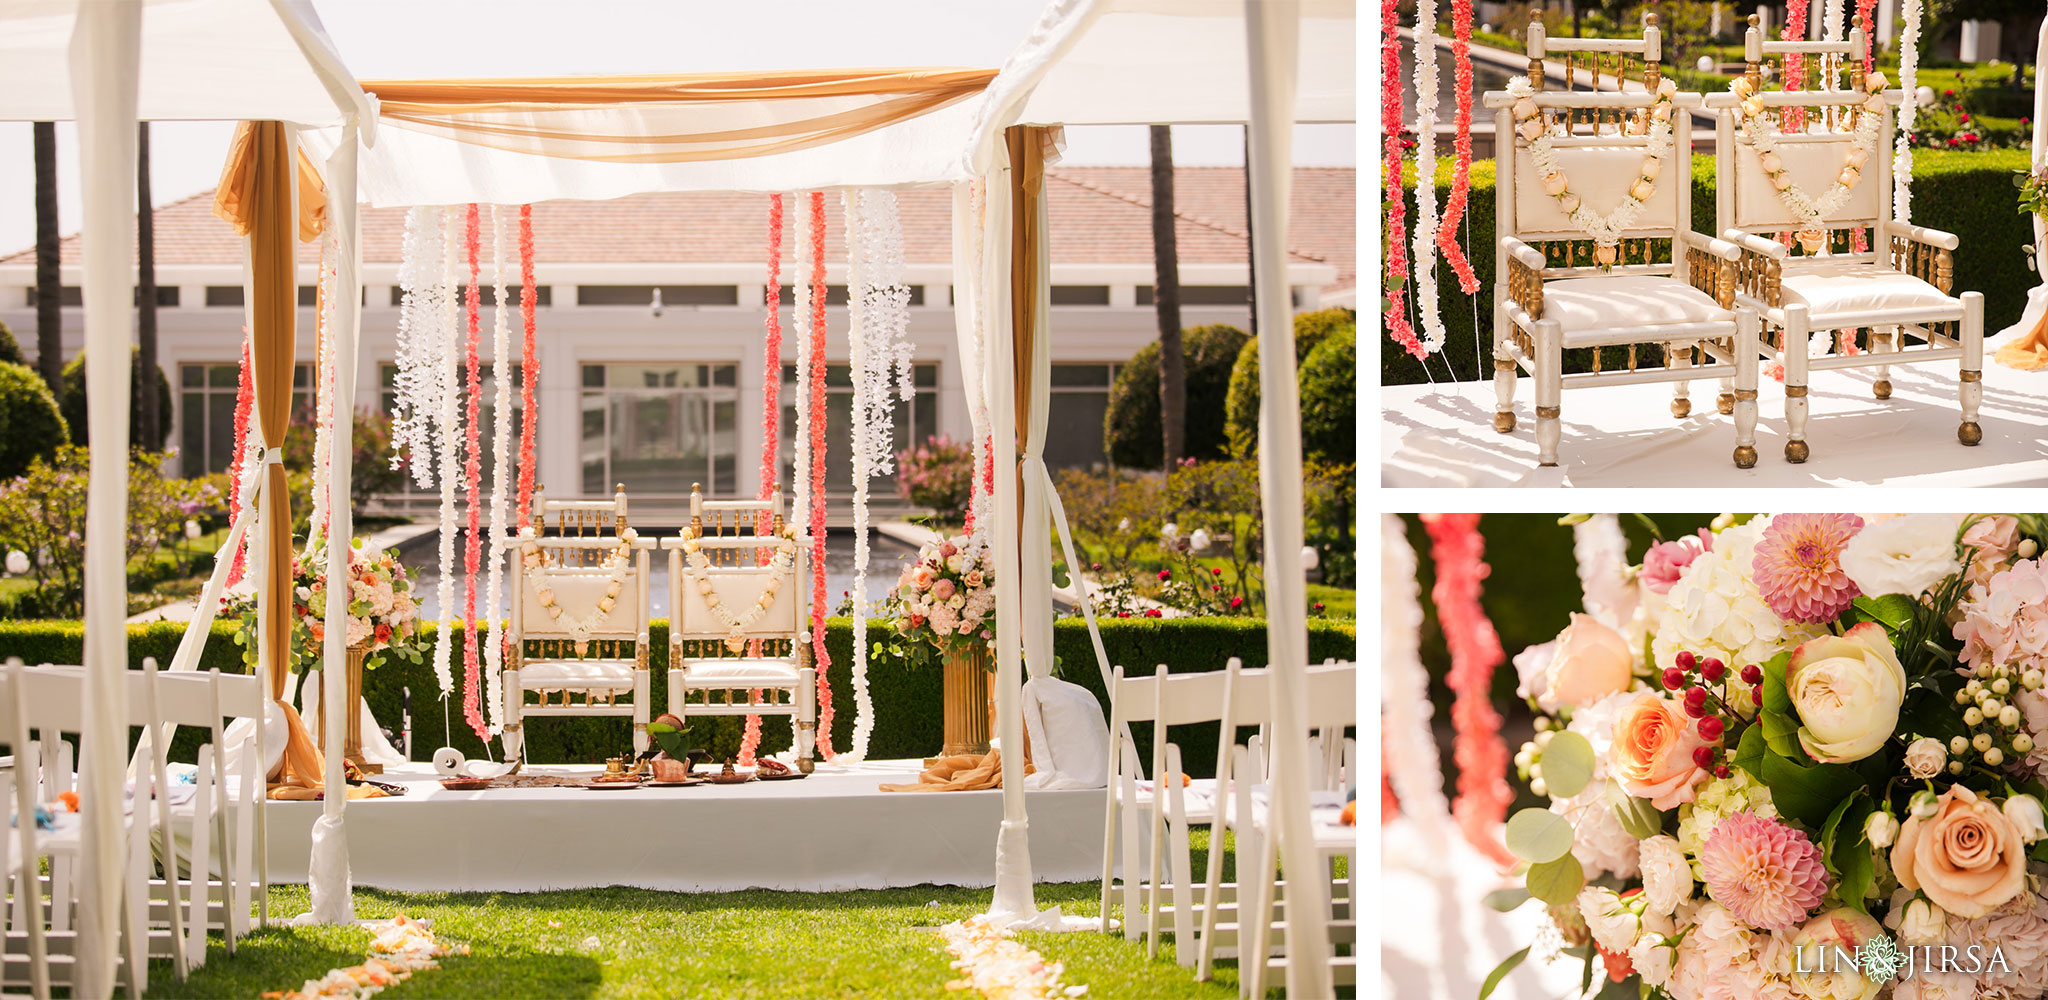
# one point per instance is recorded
(1439, 940)
(1438, 436)
(832, 831)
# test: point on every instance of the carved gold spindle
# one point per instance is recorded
(1631, 357)
(1944, 270)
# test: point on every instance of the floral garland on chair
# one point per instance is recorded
(697, 570)
(1605, 230)
(614, 567)
(1763, 135)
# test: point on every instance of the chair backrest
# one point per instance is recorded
(739, 570)
(579, 518)
(571, 583)
(1601, 151)
(1819, 95)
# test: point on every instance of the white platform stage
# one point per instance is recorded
(1442, 435)
(1439, 939)
(832, 831)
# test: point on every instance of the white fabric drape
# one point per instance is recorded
(106, 44)
(1273, 29)
(2037, 297)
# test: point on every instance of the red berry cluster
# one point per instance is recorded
(1693, 676)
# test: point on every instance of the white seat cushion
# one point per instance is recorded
(575, 675)
(1620, 302)
(1833, 289)
(1069, 738)
(738, 672)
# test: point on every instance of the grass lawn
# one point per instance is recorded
(1338, 602)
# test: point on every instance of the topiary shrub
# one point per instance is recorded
(1131, 429)
(30, 426)
(10, 350)
(74, 409)
(1241, 407)
(1329, 399)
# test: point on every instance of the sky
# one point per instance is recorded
(401, 39)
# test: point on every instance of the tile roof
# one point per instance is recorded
(1099, 215)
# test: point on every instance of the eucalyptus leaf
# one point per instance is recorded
(1508, 899)
(1539, 835)
(1500, 972)
(1567, 764)
(1556, 882)
(1638, 817)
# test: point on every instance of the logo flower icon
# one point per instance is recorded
(1880, 959)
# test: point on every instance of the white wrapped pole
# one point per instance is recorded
(106, 48)
(1273, 36)
(327, 874)
(2041, 145)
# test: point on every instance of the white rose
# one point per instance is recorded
(1614, 923)
(1905, 555)
(1667, 878)
(1847, 691)
(2024, 813)
(1923, 924)
(1652, 958)
(1881, 829)
(1926, 757)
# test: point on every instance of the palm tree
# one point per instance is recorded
(1173, 376)
(49, 307)
(147, 433)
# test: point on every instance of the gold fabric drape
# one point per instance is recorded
(1027, 188)
(237, 188)
(2029, 353)
(671, 118)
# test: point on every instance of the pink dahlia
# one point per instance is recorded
(1767, 874)
(1798, 566)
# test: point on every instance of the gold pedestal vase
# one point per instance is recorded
(968, 709)
(352, 731)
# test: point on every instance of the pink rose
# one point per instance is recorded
(947, 549)
(1653, 751)
(1666, 561)
(1966, 857)
(1590, 662)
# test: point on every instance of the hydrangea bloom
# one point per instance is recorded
(1798, 566)
(2005, 620)
(1715, 609)
(1765, 873)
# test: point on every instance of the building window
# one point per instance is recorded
(1203, 295)
(1080, 295)
(835, 295)
(206, 412)
(659, 428)
(1074, 420)
(73, 296)
(671, 295)
(916, 420)
(224, 295)
(387, 403)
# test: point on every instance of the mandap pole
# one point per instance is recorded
(106, 45)
(1272, 34)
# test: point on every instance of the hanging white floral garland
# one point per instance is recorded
(1601, 551)
(878, 309)
(1763, 132)
(323, 395)
(1605, 230)
(975, 372)
(1909, 81)
(539, 577)
(419, 357)
(450, 442)
(1425, 176)
(697, 570)
(1411, 755)
(501, 469)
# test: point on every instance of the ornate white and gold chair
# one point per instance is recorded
(1820, 185)
(737, 623)
(1597, 251)
(578, 619)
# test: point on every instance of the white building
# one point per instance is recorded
(670, 396)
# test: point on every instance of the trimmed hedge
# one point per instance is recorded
(72, 403)
(909, 713)
(1131, 430)
(30, 426)
(1969, 194)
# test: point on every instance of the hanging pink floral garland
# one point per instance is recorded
(771, 422)
(1483, 794)
(245, 401)
(529, 367)
(472, 471)
(1397, 211)
(1461, 176)
(821, 659)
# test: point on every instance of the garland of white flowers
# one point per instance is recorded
(975, 375)
(501, 469)
(878, 311)
(421, 354)
(447, 424)
(1763, 131)
(1425, 176)
(697, 570)
(1909, 81)
(1605, 230)
(1411, 756)
(1602, 555)
(614, 568)
(323, 397)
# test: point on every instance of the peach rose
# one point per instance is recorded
(1966, 857)
(1653, 751)
(1590, 662)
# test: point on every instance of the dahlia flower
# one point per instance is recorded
(1798, 566)
(1715, 609)
(1767, 874)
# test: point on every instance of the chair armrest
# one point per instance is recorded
(1525, 276)
(1758, 268)
(1710, 266)
(1923, 253)
(1529, 256)
(1921, 234)
(1719, 248)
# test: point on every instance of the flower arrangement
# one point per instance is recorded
(1804, 762)
(383, 613)
(944, 602)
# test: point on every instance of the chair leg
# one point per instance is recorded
(1724, 401)
(1743, 401)
(1972, 375)
(807, 719)
(1884, 340)
(514, 735)
(1503, 373)
(1795, 384)
(1549, 389)
(1681, 390)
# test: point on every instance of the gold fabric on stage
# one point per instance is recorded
(2029, 353)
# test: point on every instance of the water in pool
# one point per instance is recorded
(1485, 77)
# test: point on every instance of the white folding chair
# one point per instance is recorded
(709, 611)
(1134, 805)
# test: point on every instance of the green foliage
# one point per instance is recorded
(1969, 194)
(1538, 835)
(909, 704)
(73, 403)
(1131, 430)
(30, 426)
(1329, 399)
(43, 513)
(1558, 880)
(937, 473)
(1241, 406)
(370, 470)
(10, 350)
